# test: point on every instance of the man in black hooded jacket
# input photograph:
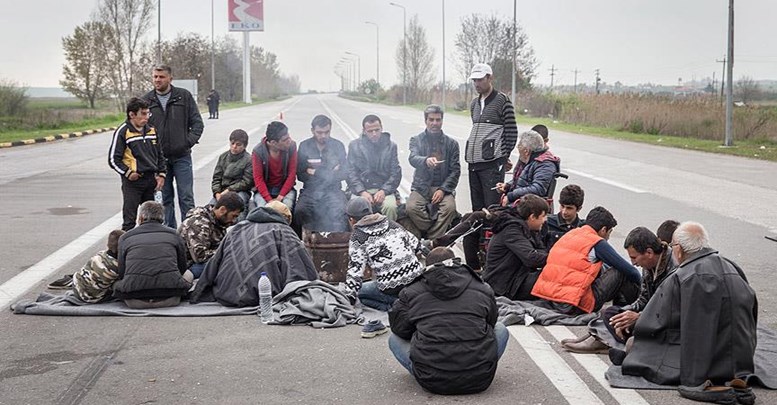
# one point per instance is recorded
(444, 328)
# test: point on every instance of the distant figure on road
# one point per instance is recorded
(205, 227)
(176, 117)
(322, 167)
(534, 172)
(94, 282)
(234, 171)
(444, 328)
(491, 140)
(275, 167)
(435, 157)
(152, 259)
(136, 154)
(373, 167)
(583, 271)
(701, 322)
(213, 101)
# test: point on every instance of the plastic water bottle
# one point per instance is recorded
(158, 196)
(265, 298)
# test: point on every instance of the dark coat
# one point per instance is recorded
(233, 172)
(448, 314)
(179, 125)
(515, 256)
(373, 166)
(330, 164)
(700, 324)
(652, 278)
(152, 258)
(263, 243)
(554, 228)
(450, 170)
(536, 177)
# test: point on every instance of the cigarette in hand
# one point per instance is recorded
(495, 188)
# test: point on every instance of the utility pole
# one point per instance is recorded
(443, 54)
(722, 80)
(729, 140)
(404, 51)
(158, 32)
(576, 72)
(552, 75)
(212, 51)
(515, 24)
(598, 79)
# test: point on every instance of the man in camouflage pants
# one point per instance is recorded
(205, 227)
(94, 282)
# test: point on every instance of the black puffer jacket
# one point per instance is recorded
(373, 165)
(515, 254)
(448, 314)
(179, 126)
(152, 258)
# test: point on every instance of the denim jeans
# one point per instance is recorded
(180, 170)
(371, 296)
(401, 347)
(197, 269)
(289, 200)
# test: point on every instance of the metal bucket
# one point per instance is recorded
(329, 251)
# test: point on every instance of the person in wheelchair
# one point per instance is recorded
(516, 254)
(435, 156)
(535, 172)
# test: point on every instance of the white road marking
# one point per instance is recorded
(568, 383)
(596, 367)
(606, 181)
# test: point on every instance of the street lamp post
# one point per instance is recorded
(515, 26)
(212, 51)
(443, 54)
(377, 51)
(404, 51)
(358, 67)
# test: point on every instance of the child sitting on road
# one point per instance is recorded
(94, 282)
(234, 171)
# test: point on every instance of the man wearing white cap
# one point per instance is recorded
(492, 138)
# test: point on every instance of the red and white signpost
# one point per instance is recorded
(246, 16)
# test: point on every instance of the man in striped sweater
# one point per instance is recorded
(492, 138)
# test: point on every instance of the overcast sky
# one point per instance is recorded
(632, 41)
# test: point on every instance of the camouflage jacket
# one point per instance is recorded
(201, 233)
(95, 280)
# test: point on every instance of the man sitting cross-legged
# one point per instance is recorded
(444, 328)
(94, 282)
(205, 227)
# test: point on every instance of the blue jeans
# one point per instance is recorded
(401, 347)
(197, 269)
(289, 201)
(180, 170)
(371, 296)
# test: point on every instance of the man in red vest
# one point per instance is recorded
(583, 270)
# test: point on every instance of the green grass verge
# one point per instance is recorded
(83, 125)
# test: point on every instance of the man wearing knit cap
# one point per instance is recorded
(387, 248)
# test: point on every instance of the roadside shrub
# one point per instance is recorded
(13, 99)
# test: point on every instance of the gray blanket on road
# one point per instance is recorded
(765, 360)
(516, 312)
(314, 303)
(69, 305)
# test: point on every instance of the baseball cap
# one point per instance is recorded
(480, 71)
(358, 207)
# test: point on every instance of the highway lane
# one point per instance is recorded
(71, 190)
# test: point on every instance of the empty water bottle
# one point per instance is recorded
(265, 298)
(158, 196)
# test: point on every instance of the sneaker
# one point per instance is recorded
(373, 328)
(64, 283)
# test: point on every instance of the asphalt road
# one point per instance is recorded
(59, 200)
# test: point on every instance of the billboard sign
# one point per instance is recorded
(246, 15)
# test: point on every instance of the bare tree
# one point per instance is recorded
(128, 21)
(489, 39)
(747, 89)
(87, 71)
(419, 60)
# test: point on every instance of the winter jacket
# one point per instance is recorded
(554, 228)
(514, 254)
(262, 243)
(536, 176)
(233, 172)
(330, 165)
(134, 151)
(700, 324)
(652, 278)
(448, 315)
(95, 280)
(568, 274)
(179, 125)
(388, 249)
(152, 258)
(449, 171)
(202, 233)
(373, 165)
(261, 167)
(494, 132)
